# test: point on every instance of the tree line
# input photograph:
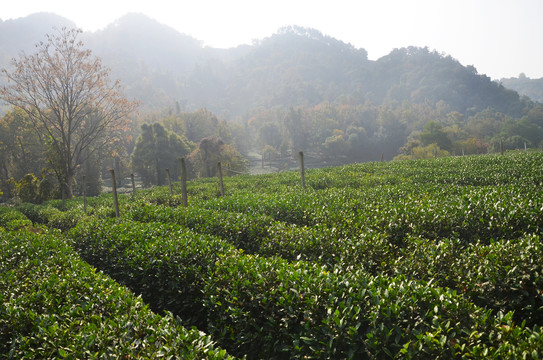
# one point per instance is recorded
(69, 119)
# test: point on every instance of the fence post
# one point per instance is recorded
(183, 171)
(382, 157)
(133, 183)
(115, 199)
(302, 169)
(63, 187)
(221, 183)
(501, 147)
(84, 193)
(169, 181)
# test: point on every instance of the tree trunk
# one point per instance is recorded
(66, 186)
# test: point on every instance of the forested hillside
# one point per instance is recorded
(297, 89)
(294, 67)
(533, 88)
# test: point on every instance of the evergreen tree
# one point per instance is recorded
(158, 149)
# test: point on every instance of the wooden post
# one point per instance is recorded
(382, 157)
(262, 160)
(183, 170)
(501, 147)
(133, 183)
(169, 181)
(84, 185)
(221, 183)
(435, 152)
(115, 199)
(302, 169)
(525, 147)
(63, 188)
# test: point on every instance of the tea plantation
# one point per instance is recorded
(423, 259)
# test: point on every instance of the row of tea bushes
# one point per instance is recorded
(394, 187)
(270, 307)
(12, 219)
(413, 224)
(53, 306)
(260, 234)
(503, 275)
(297, 310)
(165, 263)
(435, 212)
(244, 231)
(50, 216)
(486, 170)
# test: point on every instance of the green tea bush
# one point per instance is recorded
(244, 231)
(54, 306)
(33, 212)
(505, 275)
(165, 263)
(292, 206)
(269, 307)
(12, 219)
(51, 216)
(435, 258)
(297, 310)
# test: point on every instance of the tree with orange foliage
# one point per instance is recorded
(67, 94)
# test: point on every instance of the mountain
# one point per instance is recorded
(23, 33)
(418, 75)
(297, 67)
(533, 88)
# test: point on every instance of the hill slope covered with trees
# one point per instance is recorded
(297, 89)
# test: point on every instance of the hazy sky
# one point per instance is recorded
(501, 38)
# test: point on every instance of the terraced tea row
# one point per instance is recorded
(257, 305)
(54, 305)
(437, 258)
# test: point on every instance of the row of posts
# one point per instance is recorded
(183, 167)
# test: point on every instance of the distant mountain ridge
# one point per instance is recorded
(533, 88)
(23, 33)
(294, 67)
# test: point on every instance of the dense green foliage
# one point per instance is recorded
(12, 219)
(165, 264)
(155, 151)
(54, 306)
(437, 258)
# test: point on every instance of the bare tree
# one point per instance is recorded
(68, 95)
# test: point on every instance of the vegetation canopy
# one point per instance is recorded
(66, 93)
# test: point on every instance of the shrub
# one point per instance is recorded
(12, 219)
(54, 305)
